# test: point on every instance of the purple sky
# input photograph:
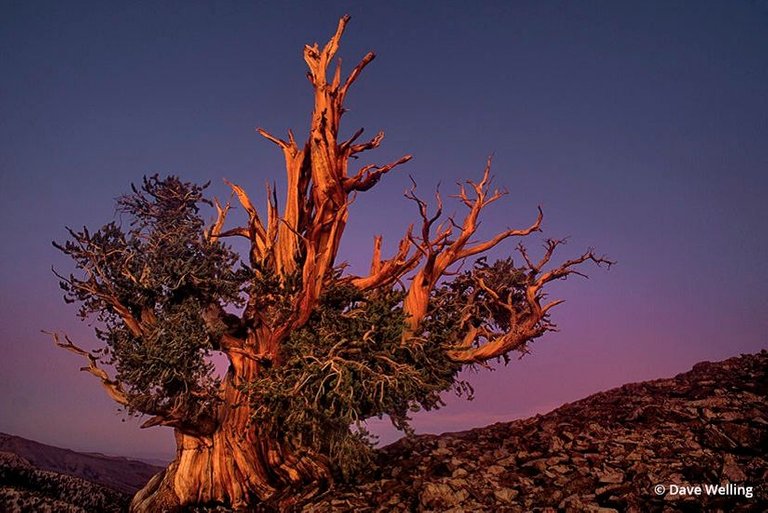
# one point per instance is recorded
(641, 128)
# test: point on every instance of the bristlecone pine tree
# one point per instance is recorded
(313, 351)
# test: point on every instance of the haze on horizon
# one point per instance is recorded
(640, 128)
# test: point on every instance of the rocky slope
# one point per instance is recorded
(605, 453)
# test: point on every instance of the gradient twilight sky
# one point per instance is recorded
(640, 127)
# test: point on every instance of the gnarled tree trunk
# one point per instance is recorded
(236, 464)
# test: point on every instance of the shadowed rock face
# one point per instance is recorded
(604, 453)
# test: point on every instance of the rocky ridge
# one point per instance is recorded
(605, 453)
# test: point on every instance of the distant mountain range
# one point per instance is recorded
(27, 489)
(35, 477)
(121, 474)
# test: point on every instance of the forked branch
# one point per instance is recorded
(386, 273)
(304, 237)
(523, 322)
(369, 175)
(442, 250)
(114, 388)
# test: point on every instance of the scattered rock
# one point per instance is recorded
(732, 471)
(505, 495)
(611, 477)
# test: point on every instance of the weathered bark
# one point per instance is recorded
(236, 468)
(236, 464)
(306, 236)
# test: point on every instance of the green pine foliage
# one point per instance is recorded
(158, 265)
(346, 365)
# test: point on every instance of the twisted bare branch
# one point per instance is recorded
(442, 251)
(113, 387)
(528, 323)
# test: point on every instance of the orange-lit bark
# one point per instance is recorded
(236, 464)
